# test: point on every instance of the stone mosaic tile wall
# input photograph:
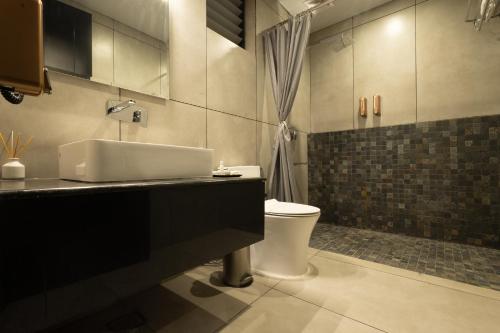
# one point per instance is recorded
(438, 180)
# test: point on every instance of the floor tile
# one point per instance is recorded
(480, 291)
(156, 310)
(278, 312)
(312, 252)
(215, 267)
(393, 303)
(265, 280)
(322, 236)
(202, 286)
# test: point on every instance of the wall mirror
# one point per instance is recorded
(122, 43)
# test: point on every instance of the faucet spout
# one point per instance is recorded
(114, 108)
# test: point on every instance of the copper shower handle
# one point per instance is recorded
(363, 107)
(377, 106)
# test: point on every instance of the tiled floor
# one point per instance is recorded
(464, 263)
(342, 294)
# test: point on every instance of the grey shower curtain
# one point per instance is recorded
(285, 47)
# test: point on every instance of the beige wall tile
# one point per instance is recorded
(169, 122)
(188, 52)
(457, 68)
(384, 64)
(381, 11)
(102, 53)
(330, 31)
(136, 65)
(232, 137)
(300, 148)
(74, 111)
(100, 18)
(300, 116)
(275, 6)
(267, 15)
(139, 35)
(231, 77)
(302, 182)
(332, 85)
(265, 144)
(231, 71)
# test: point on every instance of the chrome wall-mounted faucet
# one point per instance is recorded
(127, 111)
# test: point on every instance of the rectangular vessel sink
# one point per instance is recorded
(109, 161)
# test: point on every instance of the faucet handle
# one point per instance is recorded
(140, 117)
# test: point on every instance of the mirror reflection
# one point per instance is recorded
(123, 43)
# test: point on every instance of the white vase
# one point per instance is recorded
(13, 169)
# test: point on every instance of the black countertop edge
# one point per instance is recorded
(41, 186)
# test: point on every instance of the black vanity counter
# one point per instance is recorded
(48, 186)
(59, 235)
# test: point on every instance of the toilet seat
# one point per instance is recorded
(278, 208)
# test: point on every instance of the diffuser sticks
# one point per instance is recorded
(14, 146)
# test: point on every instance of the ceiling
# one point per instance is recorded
(328, 15)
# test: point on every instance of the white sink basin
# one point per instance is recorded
(109, 161)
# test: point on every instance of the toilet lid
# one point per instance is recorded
(275, 207)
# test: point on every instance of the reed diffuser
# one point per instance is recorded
(14, 147)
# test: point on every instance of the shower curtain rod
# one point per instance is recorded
(305, 12)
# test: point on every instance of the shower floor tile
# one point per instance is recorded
(459, 262)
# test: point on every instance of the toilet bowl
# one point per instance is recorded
(283, 253)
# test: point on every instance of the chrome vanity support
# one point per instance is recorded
(236, 270)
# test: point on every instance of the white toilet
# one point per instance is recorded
(283, 253)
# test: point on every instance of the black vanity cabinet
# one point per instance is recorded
(22, 251)
(59, 236)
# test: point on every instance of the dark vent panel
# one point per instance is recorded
(226, 17)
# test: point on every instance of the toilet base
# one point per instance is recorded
(283, 253)
(274, 275)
